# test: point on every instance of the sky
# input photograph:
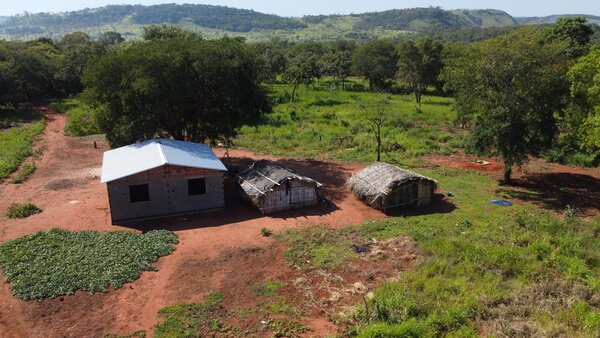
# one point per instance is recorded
(315, 7)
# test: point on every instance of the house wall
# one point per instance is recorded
(300, 194)
(168, 193)
(415, 193)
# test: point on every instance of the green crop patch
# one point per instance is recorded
(60, 262)
(25, 210)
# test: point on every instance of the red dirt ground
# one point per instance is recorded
(66, 186)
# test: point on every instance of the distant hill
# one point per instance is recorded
(540, 20)
(216, 21)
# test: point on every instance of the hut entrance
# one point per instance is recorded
(407, 195)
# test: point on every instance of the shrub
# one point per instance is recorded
(24, 210)
(266, 232)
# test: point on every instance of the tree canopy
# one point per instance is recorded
(513, 85)
(376, 61)
(419, 64)
(185, 89)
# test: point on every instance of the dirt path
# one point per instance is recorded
(67, 187)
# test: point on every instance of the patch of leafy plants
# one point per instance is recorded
(60, 262)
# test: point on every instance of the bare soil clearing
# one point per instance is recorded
(67, 187)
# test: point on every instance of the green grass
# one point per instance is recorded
(60, 262)
(268, 288)
(333, 122)
(26, 170)
(24, 210)
(190, 320)
(80, 117)
(16, 142)
(542, 268)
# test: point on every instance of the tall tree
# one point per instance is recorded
(376, 61)
(167, 32)
(185, 89)
(513, 84)
(574, 32)
(300, 70)
(419, 64)
(585, 91)
(336, 64)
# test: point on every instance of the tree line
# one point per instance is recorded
(531, 91)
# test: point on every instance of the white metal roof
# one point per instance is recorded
(136, 158)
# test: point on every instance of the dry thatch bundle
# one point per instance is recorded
(384, 186)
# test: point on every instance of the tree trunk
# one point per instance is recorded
(507, 173)
(294, 92)
(378, 143)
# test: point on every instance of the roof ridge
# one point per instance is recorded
(161, 152)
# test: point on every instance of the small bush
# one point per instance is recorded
(266, 232)
(24, 174)
(17, 210)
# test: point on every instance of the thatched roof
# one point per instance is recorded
(263, 176)
(379, 179)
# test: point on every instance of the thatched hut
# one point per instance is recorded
(387, 188)
(272, 188)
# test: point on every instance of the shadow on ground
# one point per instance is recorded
(555, 191)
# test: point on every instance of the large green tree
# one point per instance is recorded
(513, 85)
(574, 31)
(419, 64)
(585, 91)
(376, 61)
(185, 89)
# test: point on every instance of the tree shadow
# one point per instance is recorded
(557, 190)
(439, 205)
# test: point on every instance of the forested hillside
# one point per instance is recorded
(540, 20)
(217, 21)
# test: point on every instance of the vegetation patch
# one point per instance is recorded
(22, 210)
(320, 246)
(190, 320)
(81, 118)
(339, 129)
(60, 262)
(26, 170)
(512, 270)
(17, 141)
(269, 288)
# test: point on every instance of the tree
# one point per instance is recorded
(190, 90)
(300, 70)
(336, 64)
(585, 91)
(574, 32)
(111, 38)
(419, 64)
(376, 61)
(77, 49)
(167, 32)
(513, 85)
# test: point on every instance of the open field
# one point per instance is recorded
(332, 123)
(464, 264)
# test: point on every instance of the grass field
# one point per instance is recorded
(60, 262)
(16, 141)
(333, 123)
(80, 117)
(506, 271)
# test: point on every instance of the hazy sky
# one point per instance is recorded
(306, 7)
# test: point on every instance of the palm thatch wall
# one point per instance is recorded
(386, 187)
